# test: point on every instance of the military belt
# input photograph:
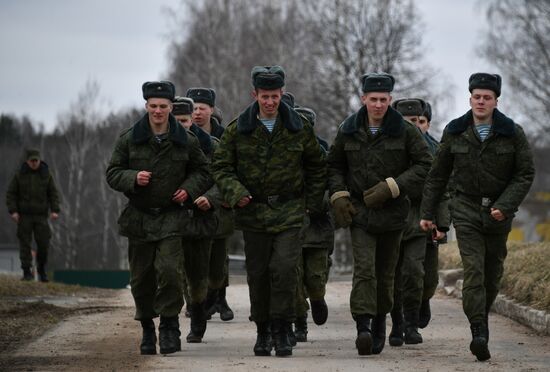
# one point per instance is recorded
(155, 211)
(484, 201)
(279, 198)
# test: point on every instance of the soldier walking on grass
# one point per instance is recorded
(492, 166)
(31, 196)
(377, 158)
(160, 168)
(270, 167)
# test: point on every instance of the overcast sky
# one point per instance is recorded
(50, 49)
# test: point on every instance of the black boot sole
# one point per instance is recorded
(168, 350)
(148, 351)
(396, 341)
(283, 353)
(363, 343)
(226, 317)
(262, 353)
(480, 350)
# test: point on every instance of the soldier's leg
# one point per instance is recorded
(302, 306)
(315, 272)
(143, 281)
(283, 278)
(42, 236)
(24, 234)
(431, 280)
(216, 272)
(396, 337)
(495, 255)
(168, 268)
(471, 244)
(414, 251)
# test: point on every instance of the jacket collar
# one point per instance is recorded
(248, 120)
(141, 131)
(43, 169)
(216, 128)
(203, 137)
(501, 124)
(392, 123)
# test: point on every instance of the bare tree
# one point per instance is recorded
(518, 44)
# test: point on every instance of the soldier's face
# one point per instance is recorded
(269, 101)
(423, 124)
(483, 102)
(184, 120)
(202, 113)
(158, 110)
(34, 164)
(377, 104)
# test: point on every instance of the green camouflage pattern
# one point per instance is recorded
(29, 225)
(32, 192)
(175, 163)
(288, 162)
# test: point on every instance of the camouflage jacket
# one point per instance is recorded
(496, 173)
(359, 160)
(175, 163)
(32, 192)
(283, 171)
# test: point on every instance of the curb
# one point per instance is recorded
(538, 320)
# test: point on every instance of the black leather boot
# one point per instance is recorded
(198, 323)
(412, 336)
(223, 308)
(364, 341)
(279, 329)
(169, 335)
(378, 333)
(27, 274)
(263, 344)
(148, 344)
(397, 328)
(300, 329)
(42, 275)
(210, 304)
(425, 314)
(479, 345)
(319, 311)
(291, 335)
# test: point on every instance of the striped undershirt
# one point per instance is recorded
(373, 130)
(483, 130)
(268, 123)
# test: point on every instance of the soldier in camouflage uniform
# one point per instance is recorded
(31, 196)
(409, 274)
(160, 168)
(493, 171)
(376, 159)
(203, 116)
(269, 166)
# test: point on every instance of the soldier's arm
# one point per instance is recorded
(315, 172)
(437, 179)
(420, 161)
(119, 175)
(224, 168)
(524, 173)
(442, 214)
(198, 179)
(53, 195)
(337, 165)
(12, 194)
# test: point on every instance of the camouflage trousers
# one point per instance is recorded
(431, 268)
(27, 226)
(409, 275)
(271, 260)
(375, 257)
(196, 263)
(219, 262)
(156, 277)
(312, 272)
(483, 258)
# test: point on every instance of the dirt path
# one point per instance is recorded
(110, 341)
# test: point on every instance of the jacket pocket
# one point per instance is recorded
(130, 223)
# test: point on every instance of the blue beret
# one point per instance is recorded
(202, 95)
(268, 77)
(482, 80)
(377, 82)
(158, 89)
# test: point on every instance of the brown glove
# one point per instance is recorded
(377, 195)
(343, 211)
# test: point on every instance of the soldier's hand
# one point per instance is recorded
(15, 217)
(54, 216)
(245, 200)
(343, 211)
(497, 214)
(426, 225)
(377, 195)
(180, 196)
(202, 203)
(226, 205)
(143, 178)
(438, 235)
